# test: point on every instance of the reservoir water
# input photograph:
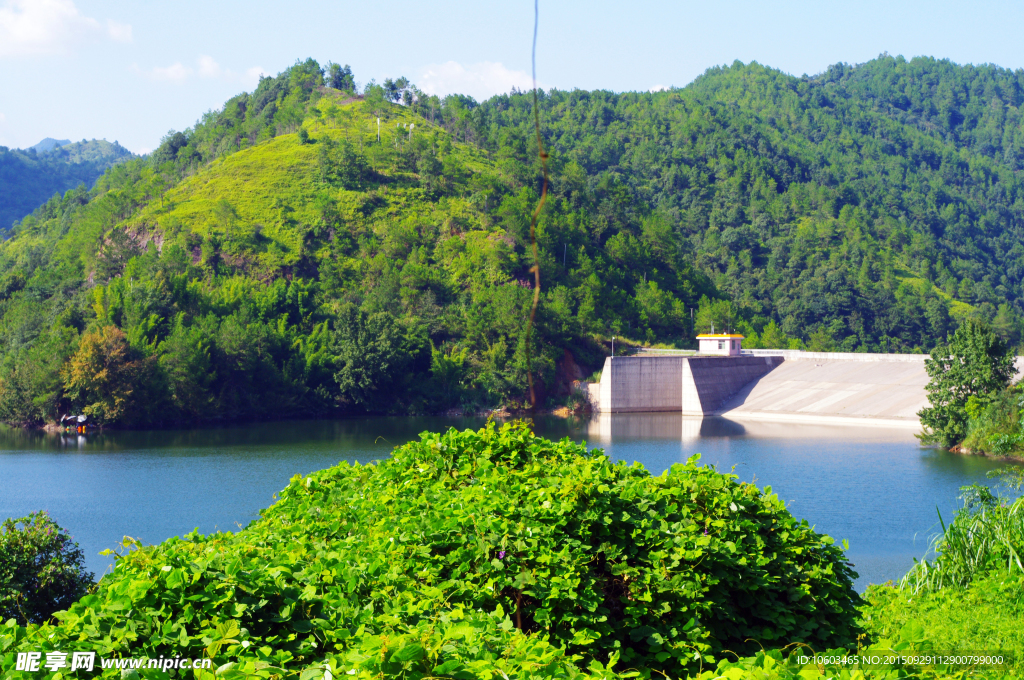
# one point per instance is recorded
(877, 488)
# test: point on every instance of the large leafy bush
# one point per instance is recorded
(42, 569)
(469, 553)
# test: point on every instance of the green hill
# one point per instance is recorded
(277, 259)
(30, 177)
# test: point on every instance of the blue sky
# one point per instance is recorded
(131, 71)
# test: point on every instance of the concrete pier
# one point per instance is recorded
(642, 384)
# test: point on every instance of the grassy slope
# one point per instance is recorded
(274, 185)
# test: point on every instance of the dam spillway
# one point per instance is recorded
(780, 386)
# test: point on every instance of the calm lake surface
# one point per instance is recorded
(877, 488)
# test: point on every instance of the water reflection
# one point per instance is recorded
(361, 434)
(608, 427)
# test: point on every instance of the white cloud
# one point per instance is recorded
(176, 72)
(209, 68)
(206, 67)
(3, 118)
(119, 32)
(479, 81)
(658, 88)
(29, 27)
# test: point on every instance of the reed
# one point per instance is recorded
(980, 539)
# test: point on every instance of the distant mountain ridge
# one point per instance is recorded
(28, 177)
(48, 144)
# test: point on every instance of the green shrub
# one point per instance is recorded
(994, 423)
(42, 570)
(481, 550)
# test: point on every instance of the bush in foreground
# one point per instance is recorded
(479, 554)
(42, 570)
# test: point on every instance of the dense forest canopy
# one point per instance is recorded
(278, 259)
(816, 202)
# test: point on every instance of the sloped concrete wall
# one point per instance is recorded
(846, 387)
(817, 387)
(709, 382)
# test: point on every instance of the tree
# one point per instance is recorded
(340, 77)
(430, 171)
(42, 570)
(772, 337)
(974, 362)
(821, 340)
(341, 165)
(374, 98)
(30, 382)
(185, 361)
(370, 356)
(715, 315)
(105, 375)
(115, 252)
(391, 92)
(1007, 324)
(449, 370)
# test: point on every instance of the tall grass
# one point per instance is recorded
(982, 538)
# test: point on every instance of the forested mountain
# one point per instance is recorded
(278, 259)
(817, 202)
(29, 177)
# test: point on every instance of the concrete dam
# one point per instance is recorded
(770, 385)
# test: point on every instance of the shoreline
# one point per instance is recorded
(501, 412)
(763, 416)
(960, 450)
